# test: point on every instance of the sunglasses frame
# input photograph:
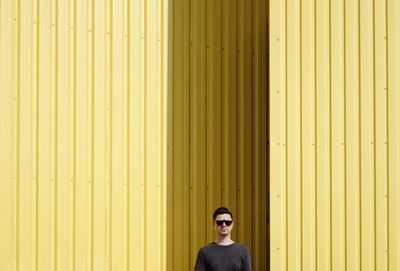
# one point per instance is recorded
(223, 222)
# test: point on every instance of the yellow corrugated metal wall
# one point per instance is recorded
(335, 134)
(219, 130)
(83, 132)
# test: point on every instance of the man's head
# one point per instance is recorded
(223, 221)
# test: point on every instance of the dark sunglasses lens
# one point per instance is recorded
(221, 222)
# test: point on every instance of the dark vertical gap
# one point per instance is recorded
(268, 137)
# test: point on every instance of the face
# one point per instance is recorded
(223, 230)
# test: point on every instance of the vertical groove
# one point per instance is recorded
(18, 123)
(37, 139)
(74, 139)
(330, 134)
(110, 138)
(205, 118)
(107, 85)
(145, 135)
(222, 101)
(286, 138)
(315, 136)
(252, 120)
(93, 28)
(359, 135)
(374, 122)
(345, 132)
(190, 134)
(387, 136)
(56, 136)
(301, 133)
(128, 98)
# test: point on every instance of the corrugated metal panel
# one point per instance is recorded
(219, 125)
(335, 135)
(84, 128)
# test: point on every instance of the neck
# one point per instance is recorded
(224, 240)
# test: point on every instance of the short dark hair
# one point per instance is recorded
(221, 211)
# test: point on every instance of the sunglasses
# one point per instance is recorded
(221, 222)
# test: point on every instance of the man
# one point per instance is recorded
(223, 254)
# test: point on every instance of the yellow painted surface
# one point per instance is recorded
(219, 125)
(83, 93)
(334, 121)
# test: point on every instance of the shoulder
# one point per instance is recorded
(206, 248)
(242, 248)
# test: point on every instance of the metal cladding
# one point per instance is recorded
(334, 125)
